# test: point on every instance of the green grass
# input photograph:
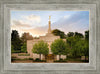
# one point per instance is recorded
(77, 59)
(13, 59)
(16, 51)
(61, 60)
(38, 60)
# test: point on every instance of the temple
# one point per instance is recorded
(49, 29)
(49, 38)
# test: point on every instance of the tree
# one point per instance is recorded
(87, 35)
(73, 43)
(70, 34)
(67, 50)
(14, 35)
(12, 49)
(79, 35)
(84, 48)
(76, 51)
(40, 48)
(59, 33)
(24, 48)
(58, 47)
(16, 41)
(78, 44)
(25, 37)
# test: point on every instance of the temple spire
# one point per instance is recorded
(49, 18)
(49, 29)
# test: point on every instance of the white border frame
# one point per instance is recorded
(50, 66)
(96, 29)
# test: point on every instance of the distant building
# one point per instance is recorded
(49, 38)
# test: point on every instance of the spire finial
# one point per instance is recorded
(49, 18)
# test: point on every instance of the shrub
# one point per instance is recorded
(38, 60)
(15, 51)
(12, 59)
(61, 60)
(24, 48)
(43, 60)
(30, 58)
(25, 59)
(13, 56)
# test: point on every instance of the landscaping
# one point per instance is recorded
(72, 49)
(23, 54)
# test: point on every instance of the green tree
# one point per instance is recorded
(58, 47)
(71, 41)
(87, 35)
(79, 35)
(70, 34)
(14, 35)
(73, 45)
(67, 50)
(12, 49)
(40, 48)
(16, 41)
(78, 44)
(24, 48)
(87, 43)
(25, 37)
(76, 51)
(84, 48)
(59, 33)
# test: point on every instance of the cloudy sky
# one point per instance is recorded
(36, 22)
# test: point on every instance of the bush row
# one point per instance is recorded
(36, 60)
(61, 60)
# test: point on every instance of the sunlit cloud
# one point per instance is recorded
(38, 31)
(26, 22)
(36, 23)
(33, 18)
(19, 23)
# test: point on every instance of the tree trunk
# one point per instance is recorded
(59, 57)
(40, 56)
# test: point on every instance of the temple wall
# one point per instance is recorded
(63, 56)
(57, 57)
(49, 38)
(35, 56)
(30, 44)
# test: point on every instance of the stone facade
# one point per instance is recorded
(48, 38)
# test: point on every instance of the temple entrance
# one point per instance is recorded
(50, 58)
